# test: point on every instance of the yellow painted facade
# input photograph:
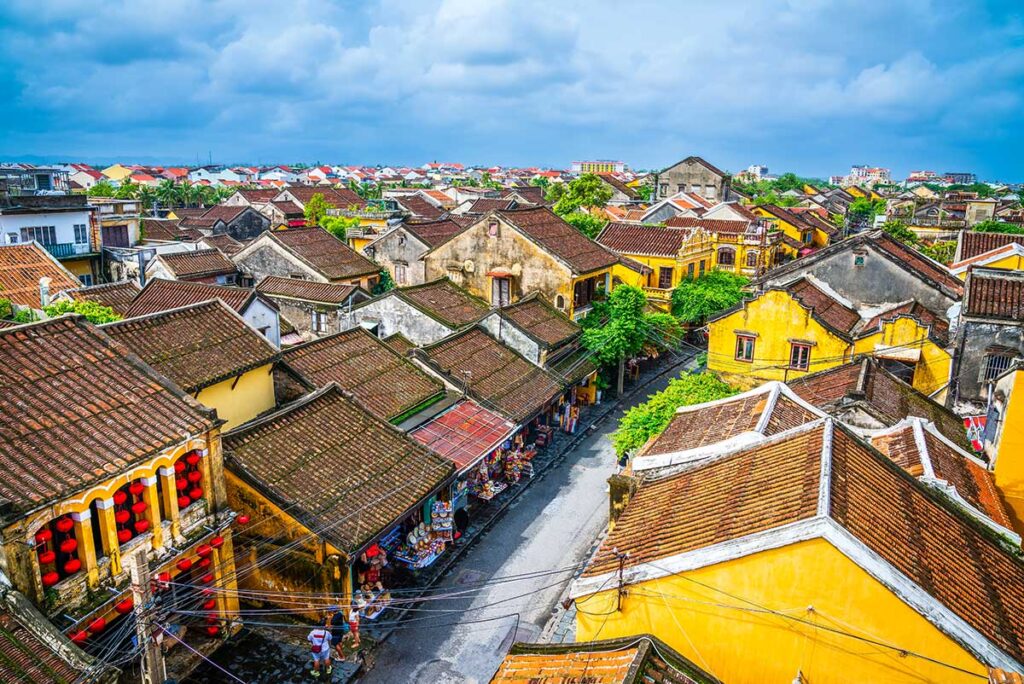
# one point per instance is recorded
(1009, 449)
(906, 338)
(1010, 262)
(709, 615)
(809, 238)
(79, 267)
(117, 172)
(239, 400)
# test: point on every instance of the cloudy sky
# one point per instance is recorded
(805, 85)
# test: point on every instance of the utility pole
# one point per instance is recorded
(153, 669)
(622, 586)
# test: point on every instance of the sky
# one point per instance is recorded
(810, 86)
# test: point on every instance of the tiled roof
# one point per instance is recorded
(307, 290)
(499, 377)
(464, 433)
(197, 263)
(542, 321)
(224, 242)
(790, 217)
(559, 238)
(340, 198)
(619, 185)
(1012, 249)
(729, 226)
(326, 254)
(118, 296)
(399, 343)
(225, 212)
(938, 326)
(534, 194)
(634, 238)
(638, 659)
(367, 474)
(21, 267)
(161, 294)
(289, 208)
(434, 233)
(445, 301)
(75, 406)
(995, 293)
(824, 306)
(195, 346)
(972, 243)
(164, 229)
(572, 367)
(918, 262)
(260, 196)
(25, 657)
(486, 204)
(420, 207)
(383, 381)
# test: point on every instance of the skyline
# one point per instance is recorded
(808, 86)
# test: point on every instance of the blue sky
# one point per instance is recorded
(805, 85)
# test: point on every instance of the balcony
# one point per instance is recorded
(67, 250)
(661, 294)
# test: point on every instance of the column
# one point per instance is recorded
(86, 546)
(152, 498)
(225, 576)
(170, 500)
(108, 534)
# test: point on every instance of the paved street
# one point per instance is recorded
(553, 525)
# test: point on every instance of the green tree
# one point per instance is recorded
(189, 194)
(588, 224)
(864, 210)
(316, 209)
(586, 192)
(385, 283)
(554, 192)
(942, 251)
(338, 226)
(694, 300)
(25, 316)
(898, 229)
(147, 197)
(487, 182)
(127, 190)
(103, 188)
(991, 226)
(167, 192)
(6, 310)
(541, 182)
(644, 191)
(648, 419)
(94, 312)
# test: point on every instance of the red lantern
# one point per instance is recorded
(139, 507)
(205, 563)
(121, 517)
(181, 484)
(97, 625)
(120, 497)
(185, 564)
(141, 526)
(44, 535)
(47, 557)
(179, 466)
(196, 493)
(206, 591)
(204, 550)
(206, 579)
(195, 476)
(72, 566)
(65, 524)
(124, 536)
(68, 545)
(217, 542)
(125, 607)
(136, 488)
(243, 520)
(184, 501)
(192, 458)
(79, 637)
(213, 630)
(164, 577)
(210, 604)
(50, 578)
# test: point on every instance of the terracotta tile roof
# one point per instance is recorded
(21, 267)
(367, 473)
(997, 676)
(635, 215)
(434, 233)
(326, 254)
(611, 180)
(399, 343)
(26, 657)
(225, 243)
(166, 229)
(542, 321)
(486, 204)
(824, 306)
(225, 212)
(195, 346)
(418, 206)
(534, 194)
(445, 301)
(383, 381)
(464, 434)
(582, 254)
(793, 218)
(811, 218)
(118, 296)
(76, 406)
(340, 198)
(189, 212)
(499, 377)
(729, 226)
(260, 196)
(971, 243)
(572, 366)
(197, 264)
(633, 238)
(918, 262)
(307, 290)
(161, 294)
(289, 209)
(995, 293)
(987, 257)
(792, 242)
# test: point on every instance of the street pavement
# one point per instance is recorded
(552, 525)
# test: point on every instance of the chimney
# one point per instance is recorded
(44, 291)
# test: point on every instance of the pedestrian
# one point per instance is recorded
(320, 649)
(338, 622)
(353, 625)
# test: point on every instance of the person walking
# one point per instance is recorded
(320, 649)
(338, 622)
(353, 624)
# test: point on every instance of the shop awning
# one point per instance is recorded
(465, 433)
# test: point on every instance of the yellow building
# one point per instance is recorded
(117, 172)
(804, 327)
(1004, 441)
(1008, 258)
(800, 230)
(771, 544)
(210, 352)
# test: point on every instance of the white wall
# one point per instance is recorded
(63, 223)
(260, 315)
(393, 315)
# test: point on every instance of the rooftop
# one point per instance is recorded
(306, 290)
(324, 253)
(161, 294)
(446, 302)
(541, 321)
(995, 293)
(971, 243)
(21, 267)
(648, 240)
(197, 263)
(118, 296)
(569, 245)
(464, 433)
(433, 233)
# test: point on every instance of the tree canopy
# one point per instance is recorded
(316, 209)
(991, 226)
(898, 229)
(696, 299)
(864, 210)
(588, 224)
(338, 225)
(93, 312)
(102, 188)
(586, 192)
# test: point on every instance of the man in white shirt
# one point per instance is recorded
(320, 650)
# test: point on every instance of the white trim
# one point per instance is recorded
(760, 389)
(769, 406)
(105, 503)
(825, 482)
(922, 449)
(166, 471)
(81, 516)
(985, 258)
(148, 481)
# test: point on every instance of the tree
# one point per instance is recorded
(385, 283)
(898, 229)
(992, 226)
(103, 188)
(694, 300)
(127, 190)
(588, 224)
(146, 196)
(93, 312)
(6, 310)
(864, 210)
(554, 192)
(648, 419)
(541, 182)
(586, 192)
(644, 191)
(942, 251)
(338, 225)
(167, 192)
(316, 209)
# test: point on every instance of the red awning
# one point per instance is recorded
(465, 433)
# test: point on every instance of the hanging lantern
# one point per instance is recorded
(213, 630)
(195, 476)
(72, 566)
(205, 563)
(179, 466)
(79, 637)
(68, 545)
(181, 484)
(217, 542)
(139, 507)
(164, 578)
(206, 579)
(136, 488)
(141, 526)
(47, 557)
(184, 501)
(121, 517)
(50, 578)
(210, 604)
(204, 550)
(185, 564)
(124, 536)
(120, 497)
(125, 607)
(65, 524)
(97, 625)
(243, 520)
(196, 493)
(192, 458)
(44, 535)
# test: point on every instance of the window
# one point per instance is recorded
(400, 274)
(86, 279)
(319, 322)
(800, 356)
(492, 228)
(501, 291)
(859, 258)
(701, 267)
(44, 235)
(665, 277)
(689, 270)
(709, 191)
(752, 259)
(695, 188)
(726, 257)
(807, 237)
(744, 348)
(996, 365)
(12, 238)
(560, 301)
(81, 234)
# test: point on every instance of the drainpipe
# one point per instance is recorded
(44, 292)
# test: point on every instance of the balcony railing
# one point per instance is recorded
(63, 250)
(659, 293)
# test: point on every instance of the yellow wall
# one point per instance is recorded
(931, 372)
(776, 318)
(78, 266)
(1011, 262)
(603, 280)
(819, 237)
(1009, 462)
(712, 625)
(253, 395)
(627, 276)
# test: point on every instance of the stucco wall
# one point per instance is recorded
(396, 316)
(259, 315)
(685, 175)
(975, 338)
(265, 260)
(251, 396)
(246, 226)
(389, 250)
(512, 336)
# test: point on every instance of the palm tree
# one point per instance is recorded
(167, 192)
(189, 194)
(147, 197)
(127, 190)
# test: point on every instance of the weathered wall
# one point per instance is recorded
(265, 260)
(975, 339)
(512, 336)
(246, 225)
(300, 314)
(690, 177)
(399, 247)
(396, 316)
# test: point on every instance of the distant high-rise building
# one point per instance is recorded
(961, 178)
(598, 166)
